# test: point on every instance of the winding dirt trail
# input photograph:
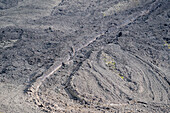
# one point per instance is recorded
(33, 90)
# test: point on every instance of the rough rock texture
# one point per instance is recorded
(81, 56)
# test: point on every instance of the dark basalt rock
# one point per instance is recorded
(84, 56)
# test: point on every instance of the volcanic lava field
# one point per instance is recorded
(84, 56)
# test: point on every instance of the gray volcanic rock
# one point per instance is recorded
(6, 4)
(84, 56)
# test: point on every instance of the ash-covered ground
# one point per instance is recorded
(84, 56)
